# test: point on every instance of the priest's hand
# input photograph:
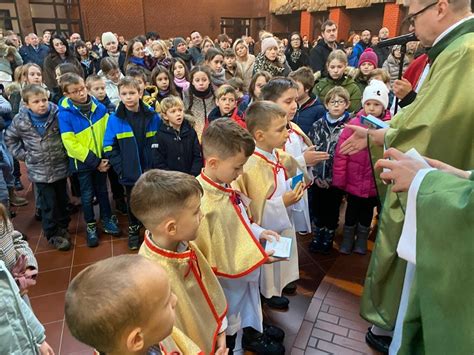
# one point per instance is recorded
(358, 141)
(401, 88)
(313, 157)
(448, 168)
(221, 348)
(293, 196)
(402, 169)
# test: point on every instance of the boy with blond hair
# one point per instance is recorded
(265, 181)
(227, 238)
(134, 309)
(168, 204)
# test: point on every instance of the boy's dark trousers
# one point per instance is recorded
(360, 210)
(132, 220)
(115, 186)
(53, 200)
(94, 183)
(326, 205)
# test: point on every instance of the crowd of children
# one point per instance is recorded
(213, 166)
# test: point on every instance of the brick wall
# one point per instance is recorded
(167, 17)
(392, 17)
(341, 17)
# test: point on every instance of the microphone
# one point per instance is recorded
(403, 39)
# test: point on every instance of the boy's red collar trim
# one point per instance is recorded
(169, 254)
(215, 184)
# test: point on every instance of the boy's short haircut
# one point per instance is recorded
(382, 73)
(128, 81)
(337, 91)
(224, 138)
(159, 194)
(276, 87)
(260, 115)
(170, 102)
(236, 83)
(229, 53)
(31, 90)
(69, 79)
(91, 79)
(224, 90)
(339, 55)
(222, 38)
(112, 301)
(305, 76)
(136, 72)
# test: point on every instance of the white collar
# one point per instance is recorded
(449, 29)
(269, 156)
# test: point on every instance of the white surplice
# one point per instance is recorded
(277, 217)
(295, 146)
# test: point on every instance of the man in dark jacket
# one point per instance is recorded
(384, 52)
(359, 48)
(34, 52)
(195, 50)
(320, 53)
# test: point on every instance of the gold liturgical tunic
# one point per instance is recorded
(224, 237)
(201, 306)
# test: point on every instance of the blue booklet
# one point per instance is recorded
(295, 180)
(374, 122)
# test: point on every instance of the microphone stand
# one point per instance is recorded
(403, 51)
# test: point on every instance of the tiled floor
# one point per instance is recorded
(57, 269)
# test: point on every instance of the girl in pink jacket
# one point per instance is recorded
(353, 173)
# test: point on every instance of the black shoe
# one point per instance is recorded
(328, 240)
(262, 345)
(290, 289)
(134, 237)
(380, 343)
(273, 332)
(316, 244)
(18, 185)
(278, 303)
(38, 216)
(121, 206)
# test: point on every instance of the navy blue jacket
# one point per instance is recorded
(121, 148)
(179, 151)
(308, 113)
(30, 55)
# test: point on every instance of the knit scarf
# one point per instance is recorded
(138, 61)
(186, 56)
(114, 56)
(182, 83)
(39, 121)
(295, 55)
(218, 79)
(262, 63)
(166, 62)
(201, 94)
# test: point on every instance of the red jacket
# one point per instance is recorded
(353, 173)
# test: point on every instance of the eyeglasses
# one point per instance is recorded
(337, 102)
(78, 91)
(410, 19)
(295, 40)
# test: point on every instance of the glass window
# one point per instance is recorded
(42, 11)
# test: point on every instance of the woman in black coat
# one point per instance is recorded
(296, 55)
(59, 53)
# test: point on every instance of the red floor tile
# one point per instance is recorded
(50, 282)
(77, 269)
(49, 308)
(54, 259)
(120, 246)
(85, 255)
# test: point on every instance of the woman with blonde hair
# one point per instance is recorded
(246, 60)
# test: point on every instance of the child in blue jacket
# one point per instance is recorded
(130, 144)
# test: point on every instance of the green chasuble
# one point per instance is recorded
(440, 313)
(438, 124)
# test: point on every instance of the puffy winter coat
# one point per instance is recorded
(308, 113)
(45, 156)
(353, 173)
(392, 66)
